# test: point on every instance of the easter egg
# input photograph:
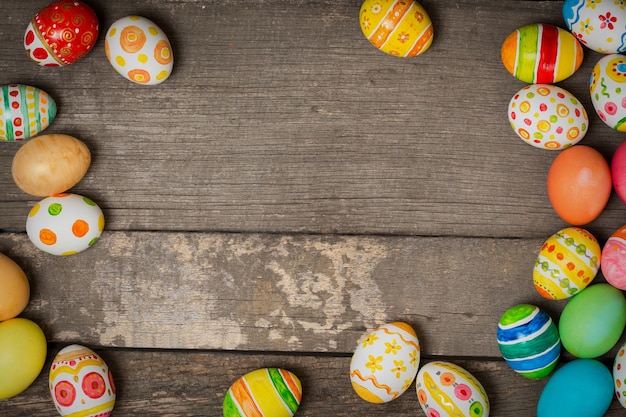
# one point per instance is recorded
(266, 392)
(22, 355)
(61, 33)
(582, 387)
(592, 322)
(579, 184)
(50, 164)
(529, 341)
(541, 54)
(399, 28)
(14, 288)
(446, 389)
(619, 375)
(599, 25)
(547, 117)
(385, 363)
(139, 50)
(618, 171)
(64, 224)
(81, 383)
(606, 87)
(25, 111)
(567, 262)
(614, 259)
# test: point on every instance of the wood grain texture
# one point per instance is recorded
(281, 117)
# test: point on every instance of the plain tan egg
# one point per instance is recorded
(14, 288)
(50, 164)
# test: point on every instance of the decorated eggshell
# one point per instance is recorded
(599, 25)
(582, 387)
(61, 33)
(385, 363)
(548, 117)
(139, 50)
(614, 259)
(81, 383)
(618, 171)
(266, 392)
(529, 341)
(568, 261)
(446, 389)
(64, 224)
(619, 375)
(592, 322)
(25, 111)
(579, 184)
(541, 54)
(399, 28)
(607, 89)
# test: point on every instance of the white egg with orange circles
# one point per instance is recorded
(139, 50)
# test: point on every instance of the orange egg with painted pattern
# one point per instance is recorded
(400, 28)
(139, 50)
(65, 224)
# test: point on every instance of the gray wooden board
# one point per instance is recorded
(281, 117)
(166, 383)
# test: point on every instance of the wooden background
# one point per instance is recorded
(287, 189)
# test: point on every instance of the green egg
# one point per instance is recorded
(592, 322)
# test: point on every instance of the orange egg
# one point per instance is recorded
(14, 288)
(579, 184)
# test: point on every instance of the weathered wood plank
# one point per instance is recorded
(278, 293)
(163, 383)
(280, 117)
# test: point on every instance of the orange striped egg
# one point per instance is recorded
(265, 392)
(385, 363)
(541, 54)
(64, 224)
(397, 27)
(567, 263)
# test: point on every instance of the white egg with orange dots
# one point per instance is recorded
(385, 363)
(139, 50)
(14, 288)
(400, 28)
(65, 224)
(81, 383)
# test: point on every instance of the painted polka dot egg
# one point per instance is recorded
(599, 25)
(139, 50)
(25, 111)
(547, 117)
(541, 54)
(64, 224)
(567, 263)
(529, 341)
(446, 389)
(400, 28)
(61, 33)
(385, 363)
(619, 375)
(608, 94)
(265, 392)
(81, 383)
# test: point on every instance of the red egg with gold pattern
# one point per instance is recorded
(61, 33)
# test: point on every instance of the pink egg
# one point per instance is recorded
(618, 171)
(614, 259)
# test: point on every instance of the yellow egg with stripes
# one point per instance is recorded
(567, 263)
(385, 363)
(397, 27)
(265, 392)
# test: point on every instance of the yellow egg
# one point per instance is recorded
(50, 164)
(22, 355)
(400, 28)
(14, 288)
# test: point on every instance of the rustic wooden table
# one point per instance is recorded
(286, 189)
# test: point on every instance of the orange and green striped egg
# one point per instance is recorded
(265, 392)
(541, 54)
